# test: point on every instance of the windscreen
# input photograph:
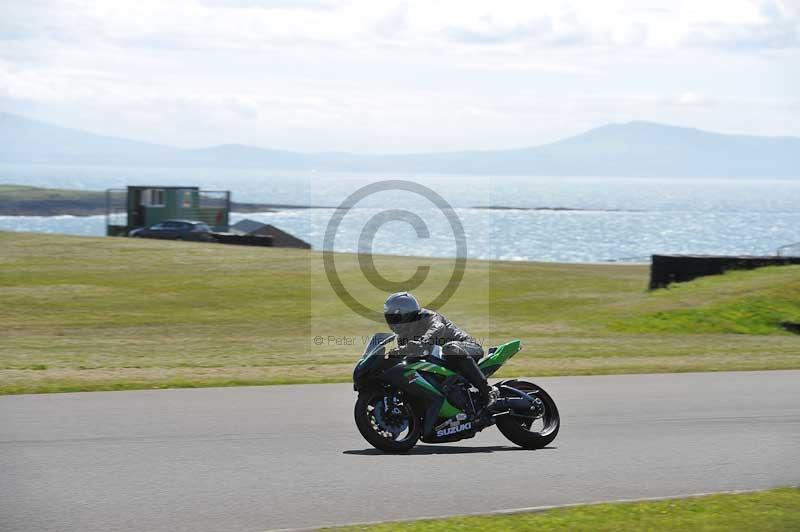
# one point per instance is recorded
(377, 341)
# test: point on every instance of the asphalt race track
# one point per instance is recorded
(290, 456)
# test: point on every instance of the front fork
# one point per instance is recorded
(417, 387)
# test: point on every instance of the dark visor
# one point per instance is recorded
(394, 319)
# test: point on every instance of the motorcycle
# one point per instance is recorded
(406, 397)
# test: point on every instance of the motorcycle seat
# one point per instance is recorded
(488, 354)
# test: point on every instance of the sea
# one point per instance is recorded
(525, 218)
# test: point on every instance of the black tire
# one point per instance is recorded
(365, 426)
(517, 429)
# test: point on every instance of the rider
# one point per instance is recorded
(418, 327)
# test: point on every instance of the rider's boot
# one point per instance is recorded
(473, 373)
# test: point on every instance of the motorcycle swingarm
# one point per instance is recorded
(517, 401)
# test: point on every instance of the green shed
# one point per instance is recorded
(144, 206)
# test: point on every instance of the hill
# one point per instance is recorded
(115, 313)
(634, 149)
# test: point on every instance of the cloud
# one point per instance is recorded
(270, 4)
(408, 74)
(692, 99)
(43, 19)
(522, 65)
(556, 30)
(778, 28)
(537, 29)
(394, 23)
(445, 26)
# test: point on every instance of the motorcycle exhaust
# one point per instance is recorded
(513, 400)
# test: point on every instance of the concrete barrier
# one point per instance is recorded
(243, 240)
(666, 269)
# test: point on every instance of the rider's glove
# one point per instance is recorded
(411, 350)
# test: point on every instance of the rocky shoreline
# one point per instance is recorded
(19, 200)
(567, 209)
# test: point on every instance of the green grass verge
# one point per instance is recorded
(774, 510)
(113, 313)
(744, 303)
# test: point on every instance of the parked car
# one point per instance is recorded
(176, 230)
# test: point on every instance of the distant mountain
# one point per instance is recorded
(634, 149)
(29, 141)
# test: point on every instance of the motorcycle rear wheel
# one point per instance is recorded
(518, 429)
(368, 413)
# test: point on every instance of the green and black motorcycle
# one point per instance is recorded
(406, 397)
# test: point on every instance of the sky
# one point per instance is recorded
(398, 76)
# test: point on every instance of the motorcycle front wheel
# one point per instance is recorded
(387, 421)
